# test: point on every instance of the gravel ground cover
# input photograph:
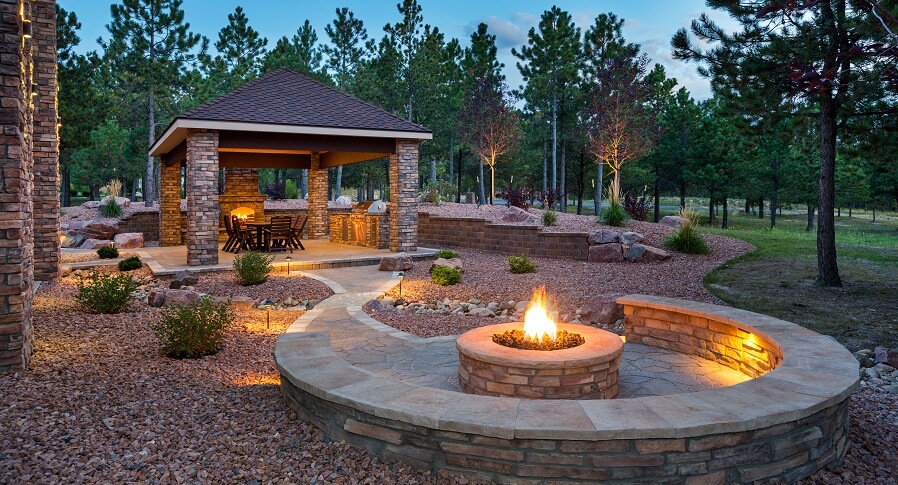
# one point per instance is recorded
(100, 404)
(84, 257)
(276, 287)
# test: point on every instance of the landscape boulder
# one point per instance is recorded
(72, 241)
(395, 262)
(91, 204)
(672, 221)
(602, 236)
(885, 355)
(640, 253)
(482, 312)
(123, 202)
(451, 263)
(602, 309)
(606, 253)
(630, 238)
(128, 240)
(343, 200)
(162, 297)
(517, 215)
(183, 278)
(96, 229)
(95, 243)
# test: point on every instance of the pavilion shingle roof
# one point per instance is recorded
(286, 97)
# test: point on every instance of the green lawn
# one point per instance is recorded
(778, 278)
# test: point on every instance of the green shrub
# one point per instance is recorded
(105, 293)
(291, 190)
(445, 275)
(107, 252)
(549, 218)
(193, 330)
(686, 239)
(446, 254)
(614, 215)
(111, 209)
(253, 267)
(521, 264)
(130, 264)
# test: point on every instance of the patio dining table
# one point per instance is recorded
(260, 227)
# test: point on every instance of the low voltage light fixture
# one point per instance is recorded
(401, 277)
(288, 259)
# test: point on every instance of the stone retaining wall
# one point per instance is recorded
(481, 235)
(782, 426)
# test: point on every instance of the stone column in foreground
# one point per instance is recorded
(404, 196)
(318, 220)
(203, 211)
(170, 205)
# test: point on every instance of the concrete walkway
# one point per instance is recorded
(433, 362)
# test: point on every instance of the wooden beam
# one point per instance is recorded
(177, 154)
(263, 160)
(264, 150)
(334, 159)
(249, 141)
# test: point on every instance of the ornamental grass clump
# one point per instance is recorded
(521, 264)
(686, 239)
(193, 330)
(445, 275)
(253, 268)
(549, 217)
(614, 214)
(107, 252)
(105, 293)
(130, 264)
(446, 254)
(111, 208)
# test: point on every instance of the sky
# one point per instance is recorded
(650, 23)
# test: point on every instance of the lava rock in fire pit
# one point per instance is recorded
(395, 262)
(516, 340)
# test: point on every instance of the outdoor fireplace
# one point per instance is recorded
(244, 213)
(539, 358)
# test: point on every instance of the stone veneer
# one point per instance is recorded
(377, 229)
(403, 207)
(170, 205)
(481, 235)
(781, 426)
(587, 371)
(24, 63)
(318, 222)
(202, 197)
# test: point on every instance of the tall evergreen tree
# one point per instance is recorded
(148, 49)
(407, 37)
(241, 47)
(301, 53)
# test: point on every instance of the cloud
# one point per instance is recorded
(509, 32)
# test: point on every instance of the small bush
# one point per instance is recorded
(105, 293)
(686, 239)
(193, 330)
(107, 252)
(291, 192)
(111, 209)
(614, 215)
(275, 190)
(130, 264)
(446, 254)
(517, 196)
(253, 267)
(521, 264)
(445, 275)
(636, 207)
(549, 218)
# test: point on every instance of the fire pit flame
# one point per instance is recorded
(537, 323)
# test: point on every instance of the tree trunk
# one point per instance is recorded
(827, 266)
(493, 183)
(135, 181)
(148, 190)
(710, 211)
(554, 141)
(562, 177)
(339, 181)
(304, 184)
(458, 192)
(760, 208)
(65, 188)
(810, 218)
(597, 201)
(774, 203)
(94, 192)
(360, 193)
(725, 220)
(433, 168)
(747, 206)
(850, 209)
(682, 194)
(839, 212)
(480, 188)
(545, 167)
(655, 193)
(874, 215)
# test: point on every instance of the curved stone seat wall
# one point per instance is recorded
(783, 425)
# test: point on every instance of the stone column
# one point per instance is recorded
(46, 143)
(16, 225)
(404, 196)
(318, 220)
(170, 204)
(203, 211)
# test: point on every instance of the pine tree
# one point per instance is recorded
(406, 35)
(241, 47)
(348, 36)
(149, 46)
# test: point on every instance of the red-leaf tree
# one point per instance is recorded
(491, 124)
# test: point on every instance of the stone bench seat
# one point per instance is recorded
(786, 423)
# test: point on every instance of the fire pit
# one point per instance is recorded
(539, 358)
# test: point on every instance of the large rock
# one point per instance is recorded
(395, 262)
(630, 238)
(602, 309)
(517, 215)
(885, 355)
(91, 204)
(343, 200)
(128, 240)
(99, 229)
(672, 221)
(162, 297)
(482, 312)
(452, 263)
(121, 201)
(183, 278)
(602, 236)
(641, 253)
(72, 241)
(95, 244)
(606, 253)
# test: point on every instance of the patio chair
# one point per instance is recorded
(243, 237)
(232, 236)
(278, 237)
(296, 232)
